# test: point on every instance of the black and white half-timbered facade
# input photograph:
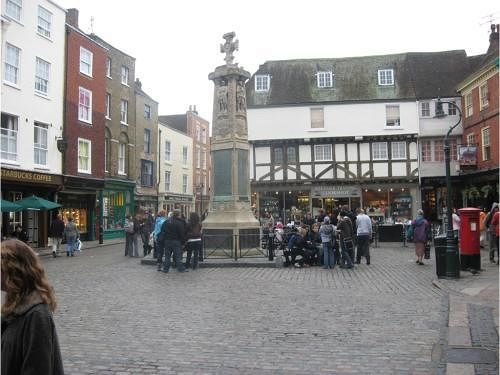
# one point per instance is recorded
(329, 132)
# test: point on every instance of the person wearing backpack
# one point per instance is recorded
(421, 235)
(129, 235)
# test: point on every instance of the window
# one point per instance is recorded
(85, 105)
(11, 63)
(398, 150)
(379, 150)
(40, 143)
(108, 106)
(147, 112)
(322, 152)
(468, 105)
(483, 96)
(203, 158)
(198, 134)
(485, 143)
(9, 137)
(438, 151)
(167, 150)
(123, 111)
(184, 155)
(86, 58)
(317, 119)
(42, 76)
(146, 173)
(452, 110)
(108, 67)
(13, 9)
(392, 115)
(425, 109)
(325, 79)
(426, 151)
(262, 82)
(204, 135)
(278, 155)
(167, 180)
(122, 147)
(184, 183)
(471, 139)
(198, 157)
(291, 155)
(44, 21)
(84, 155)
(147, 141)
(386, 77)
(125, 75)
(107, 148)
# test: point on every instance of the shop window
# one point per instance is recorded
(116, 205)
(79, 216)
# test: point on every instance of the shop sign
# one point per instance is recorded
(34, 177)
(467, 155)
(335, 191)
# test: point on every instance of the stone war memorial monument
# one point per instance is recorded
(230, 219)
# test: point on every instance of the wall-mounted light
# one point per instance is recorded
(358, 138)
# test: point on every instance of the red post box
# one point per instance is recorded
(470, 251)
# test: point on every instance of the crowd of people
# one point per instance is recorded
(341, 238)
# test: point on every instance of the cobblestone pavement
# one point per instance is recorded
(119, 317)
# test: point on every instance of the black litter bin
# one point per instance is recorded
(440, 248)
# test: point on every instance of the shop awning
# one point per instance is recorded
(8, 206)
(37, 203)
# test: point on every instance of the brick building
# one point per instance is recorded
(84, 123)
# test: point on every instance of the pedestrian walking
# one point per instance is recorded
(147, 227)
(364, 235)
(495, 224)
(56, 233)
(129, 235)
(137, 233)
(327, 233)
(160, 219)
(71, 234)
(421, 230)
(482, 227)
(491, 231)
(193, 244)
(29, 338)
(455, 219)
(173, 236)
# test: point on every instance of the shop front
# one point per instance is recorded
(19, 184)
(79, 199)
(182, 202)
(117, 202)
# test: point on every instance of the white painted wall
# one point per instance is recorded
(430, 126)
(21, 100)
(176, 166)
(341, 120)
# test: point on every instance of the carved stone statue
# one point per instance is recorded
(222, 98)
(229, 47)
(241, 101)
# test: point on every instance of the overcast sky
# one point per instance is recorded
(177, 43)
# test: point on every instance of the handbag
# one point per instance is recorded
(427, 251)
(78, 245)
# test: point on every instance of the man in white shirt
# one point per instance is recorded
(364, 235)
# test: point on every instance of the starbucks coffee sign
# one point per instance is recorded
(33, 177)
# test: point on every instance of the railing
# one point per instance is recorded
(233, 246)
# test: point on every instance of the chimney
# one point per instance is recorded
(138, 83)
(194, 109)
(72, 17)
(493, 48)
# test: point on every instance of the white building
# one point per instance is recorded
(175, 180)
(33, 47)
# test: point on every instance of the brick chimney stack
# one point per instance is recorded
(72, 17)
(493, 48)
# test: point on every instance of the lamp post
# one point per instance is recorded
(452, 256)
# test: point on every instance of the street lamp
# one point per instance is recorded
(452, 256)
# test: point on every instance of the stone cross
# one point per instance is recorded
(229, 47)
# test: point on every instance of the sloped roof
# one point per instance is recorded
(417, 75)
(178, 122)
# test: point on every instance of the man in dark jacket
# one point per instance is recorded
(346, 235)
(172, 237)
(56, 233)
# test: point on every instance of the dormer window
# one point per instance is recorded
(325, 79)
(386, 77)
(262, 82)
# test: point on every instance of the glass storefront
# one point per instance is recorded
(116, 206)
(79, 216)
(388, 204)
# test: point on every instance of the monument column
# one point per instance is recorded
(230, 202)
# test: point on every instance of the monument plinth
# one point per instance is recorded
(230, 203)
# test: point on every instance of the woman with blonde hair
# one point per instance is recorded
(29, 338)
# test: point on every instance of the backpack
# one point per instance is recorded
(409, 232)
